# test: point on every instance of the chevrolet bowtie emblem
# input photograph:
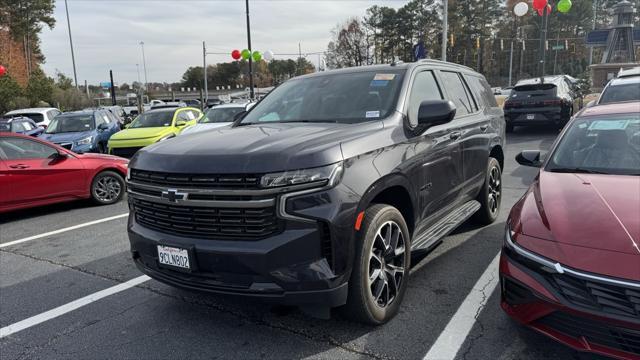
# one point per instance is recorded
(172, 195)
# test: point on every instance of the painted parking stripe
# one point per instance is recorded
(39, 236)
(76, 304)
(455, 333)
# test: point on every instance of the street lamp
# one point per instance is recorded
(445, 16)
(144, 65)
(249, 46)
(73, 58)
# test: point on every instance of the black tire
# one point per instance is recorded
(490, 195)
(362, 305)
(107, 188)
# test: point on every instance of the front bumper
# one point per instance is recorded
(306, 262)
(528, 296)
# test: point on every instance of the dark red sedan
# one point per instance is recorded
(34, 172)
(570, 265)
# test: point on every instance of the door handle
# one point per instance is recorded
(455, 135)
(484, 128)
(19, 166)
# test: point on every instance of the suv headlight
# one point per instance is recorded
(326, 175)
(85, 141)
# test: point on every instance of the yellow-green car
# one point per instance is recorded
(150, 127)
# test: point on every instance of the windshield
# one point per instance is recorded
(620, 93)
(608, 144)
(342, 97)
(220, 115)
(70, 123)
(38, 118)
(153, 119)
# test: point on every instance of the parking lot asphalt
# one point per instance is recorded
(152, 320)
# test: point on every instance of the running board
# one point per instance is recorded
(443, 227)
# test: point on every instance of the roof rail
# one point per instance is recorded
(435, 61)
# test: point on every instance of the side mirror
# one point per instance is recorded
(103, 126)
(529, 158)
(436, 112)
(181, 123)
(58, 156)
(239, 115)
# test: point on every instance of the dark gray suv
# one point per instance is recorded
(320, 193)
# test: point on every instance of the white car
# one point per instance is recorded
(218, 116)
(42, 116)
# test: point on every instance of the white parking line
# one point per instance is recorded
(61, 310)
(34, 237)
(455, 333)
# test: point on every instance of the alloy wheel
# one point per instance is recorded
(386, 264)
(495, 189)
(107, 189)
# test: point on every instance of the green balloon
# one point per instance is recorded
(246, 54)
(564, 6)
(256, 56)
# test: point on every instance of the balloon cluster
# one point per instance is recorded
(255, 55)
(522, 8)
(3, 70)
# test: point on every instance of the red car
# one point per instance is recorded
(34, 172)
(570, 265)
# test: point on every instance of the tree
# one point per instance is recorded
(9, 92)
(349, 46)
(193, 77)
(304, 66)
(63, 81)
(125, 87)
(39, 88)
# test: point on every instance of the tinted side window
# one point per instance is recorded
(481, 91)
(457, 93)
(424, 88)
(100, 119)
(17, 148)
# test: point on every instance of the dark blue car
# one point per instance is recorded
(21, 125)
(82, 131)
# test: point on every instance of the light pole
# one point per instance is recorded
(73, 58)
(445, 15)
(204, 70)
(144, 66)
(250, 51)
(593, 27)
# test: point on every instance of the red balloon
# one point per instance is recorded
(541, 11)
(3, 70)
(235, 54)
(539, 4)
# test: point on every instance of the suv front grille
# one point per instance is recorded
(207, 222)
(225, 181)
(594, 332)
(125, 152)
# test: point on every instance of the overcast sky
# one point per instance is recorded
(107, 33)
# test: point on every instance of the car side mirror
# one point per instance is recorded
(58, 156)
(103, 126)
(181, 123)
(435, 112)
(529, 158)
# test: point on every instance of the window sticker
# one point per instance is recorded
(379, 83)
(372, 114)
(609, 125)
(387, 77)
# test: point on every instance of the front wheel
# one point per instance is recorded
(107, 188)
(381, 267)
(490, 195)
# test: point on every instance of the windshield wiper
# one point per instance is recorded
(576, 170)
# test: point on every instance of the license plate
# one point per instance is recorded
(530, 116)
(173, 257)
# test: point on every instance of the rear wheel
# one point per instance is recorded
(107, 188)
(490, 195)
(381, 267)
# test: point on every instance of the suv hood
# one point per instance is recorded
(587, 210)
(141, 133)
(252, 148)
(202, 127)
(66, 137)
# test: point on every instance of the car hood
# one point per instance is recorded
(252, 148)
(66, 137)
(202, 127)
(141, 133)
(587, 210)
